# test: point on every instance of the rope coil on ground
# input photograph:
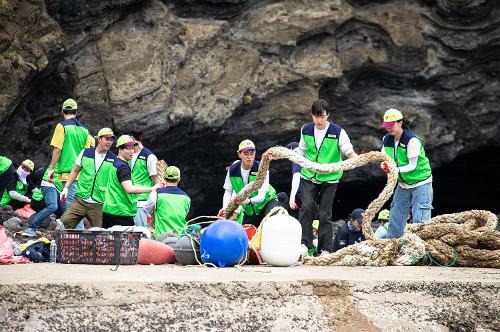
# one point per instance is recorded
(465, 239)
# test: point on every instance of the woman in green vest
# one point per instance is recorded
(414, 187)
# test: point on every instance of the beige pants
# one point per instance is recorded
(80, 209)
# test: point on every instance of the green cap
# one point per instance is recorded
(172, 173)
(383, 215)
(69, 104)
(106, 132)
(246, 145)
(315, 223)
(125, 140)
(390, 117)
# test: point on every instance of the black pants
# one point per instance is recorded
(110, 220)
(5, 178)
(311, 194)
(256, 219)
(38, 206)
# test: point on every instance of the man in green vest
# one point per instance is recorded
(15, 192)
(93, 168)
(322, 142)
(69, 139)
(239, 174)
(169, 205)
(120, 203)
(144, 173)
(7, 171)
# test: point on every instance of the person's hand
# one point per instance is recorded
(234, 216)
(385, 167)
(51, 175)
(221, 212)
(362, 152)
(64, 195)
(293, 204)
(158, 186)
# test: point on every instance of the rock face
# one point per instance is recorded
(200, 76)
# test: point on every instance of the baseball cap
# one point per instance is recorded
(69, 104)
(357, 214)
(125, 140)
(106, 132)
(292, 145)
(172, 173)
(246, 145)
(315, 223)
(390, 117)
(383, 215)
(28, 163)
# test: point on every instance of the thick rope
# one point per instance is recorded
(465, 239)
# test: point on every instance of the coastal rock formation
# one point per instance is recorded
(199, 76)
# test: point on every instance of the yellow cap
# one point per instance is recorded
(69, 104)
(246, 145)
(383, 215)
(391, 116)
(106, 132)
(315, 224)
(125, 140)
(172, 173)
(28, 163)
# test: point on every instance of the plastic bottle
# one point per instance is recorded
(53, 251)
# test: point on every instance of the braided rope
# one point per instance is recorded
(467, 238)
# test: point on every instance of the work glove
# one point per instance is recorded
(64, 195)
(221, 212)
(385, 167)
(51, 175)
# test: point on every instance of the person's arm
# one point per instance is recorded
(150, 205)
(293, 191)
(57, 143)
(301, 150)
(72, 177)
(125, 177)
(151, 164)
(413, 150)
(345, 145)
(18, 197)
(262, 193)
(90, 142)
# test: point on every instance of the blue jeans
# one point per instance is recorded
(141, 218)
(420, 201)
(51, 197)
(70, 198)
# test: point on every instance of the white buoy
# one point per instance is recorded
(281, 238)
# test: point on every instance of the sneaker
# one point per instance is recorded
(60, 225)
(30, 232)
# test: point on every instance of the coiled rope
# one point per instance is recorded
(465, 239)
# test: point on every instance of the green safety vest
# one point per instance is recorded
(91, 182)
(140, 174)
(5, 163)
(58, 184)
(117, 201)
(75, 137)
(328, 152)
(37, 195)
(20, 188)
(400, 156)
(172, 207)
(238, 184)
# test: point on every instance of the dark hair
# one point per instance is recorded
(135, 133)
(404, 124)
(171, 180)
(68, 112)
(319, 107)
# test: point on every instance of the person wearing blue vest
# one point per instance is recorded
(93, 168)
(144, 173)
(239, 174)
(415, 175)
(323, 142)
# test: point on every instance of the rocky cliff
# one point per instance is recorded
(199, 76)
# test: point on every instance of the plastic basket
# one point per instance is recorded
(97, 247)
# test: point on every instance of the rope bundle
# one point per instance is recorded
(465, 239)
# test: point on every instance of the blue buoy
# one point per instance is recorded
(223, 243)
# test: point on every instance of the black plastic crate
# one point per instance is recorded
(97, 247)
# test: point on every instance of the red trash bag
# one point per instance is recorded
(154, 252)
(25, 212)
(7, 250)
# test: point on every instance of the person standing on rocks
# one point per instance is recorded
(93, 168)
(323, 142)
(69, 139)
(415, 176)
(239, 174)
(120, 203)
(169, 205)
(15, 192)
(144, 173)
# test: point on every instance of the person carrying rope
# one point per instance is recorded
(415, 176)
(239, 174)
(322, 142)
(170, 205)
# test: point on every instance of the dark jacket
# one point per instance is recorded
(346, 237)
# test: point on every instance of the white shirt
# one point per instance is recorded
(98, 160)
(229, 191)
(345, 145)
(151, 163)
(412, 151)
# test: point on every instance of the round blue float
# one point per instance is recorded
(223, 243)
